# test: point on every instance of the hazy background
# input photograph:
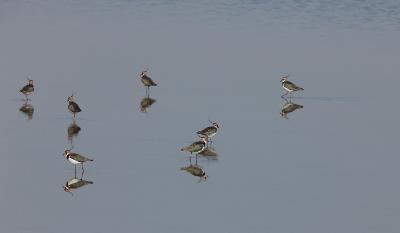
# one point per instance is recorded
(331, 167)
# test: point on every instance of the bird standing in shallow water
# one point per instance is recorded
(196, 147)
(209, 132)
(28, 89)
(73, 106)
(75, 158)
(289, 86)
(147, 81)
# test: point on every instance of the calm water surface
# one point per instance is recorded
(331, 166)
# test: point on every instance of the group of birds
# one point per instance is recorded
(199, 147)
(195, 148)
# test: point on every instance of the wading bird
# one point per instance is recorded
(75, 158)
(28, 89)
(147, 81)
(73, 106)
(196, 147)
(289, 86)
(209, 132)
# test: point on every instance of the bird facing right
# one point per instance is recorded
(210, 131)
(28, 89)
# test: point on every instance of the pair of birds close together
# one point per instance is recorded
(205, 135)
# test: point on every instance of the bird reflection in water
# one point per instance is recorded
(27, 109)
(209, 153)
(73, 131)
(75, 183)
(146, 103)
(195, 170)
(289, 107)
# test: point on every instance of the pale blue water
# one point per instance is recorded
(332, 166)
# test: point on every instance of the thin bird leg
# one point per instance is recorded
(196, 159)
(75, 171)
(83, 170)
(284, 94)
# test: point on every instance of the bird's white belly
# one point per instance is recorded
(73, 161)
(286, 89)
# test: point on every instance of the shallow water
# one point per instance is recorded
(331, 166)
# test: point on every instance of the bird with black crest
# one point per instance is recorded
(289, 86)
(147, 81)
(73, 106)
(28, 89)
(209, 131)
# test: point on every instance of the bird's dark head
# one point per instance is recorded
(203, 177)
(284, 78)
(71, 98)
(66, 189)
(144, 72)
(30, 81)
(215, 124)
(204, 138)
(67, 152)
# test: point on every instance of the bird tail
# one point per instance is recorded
(184, 149)
(90, 160)
(301, 89)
